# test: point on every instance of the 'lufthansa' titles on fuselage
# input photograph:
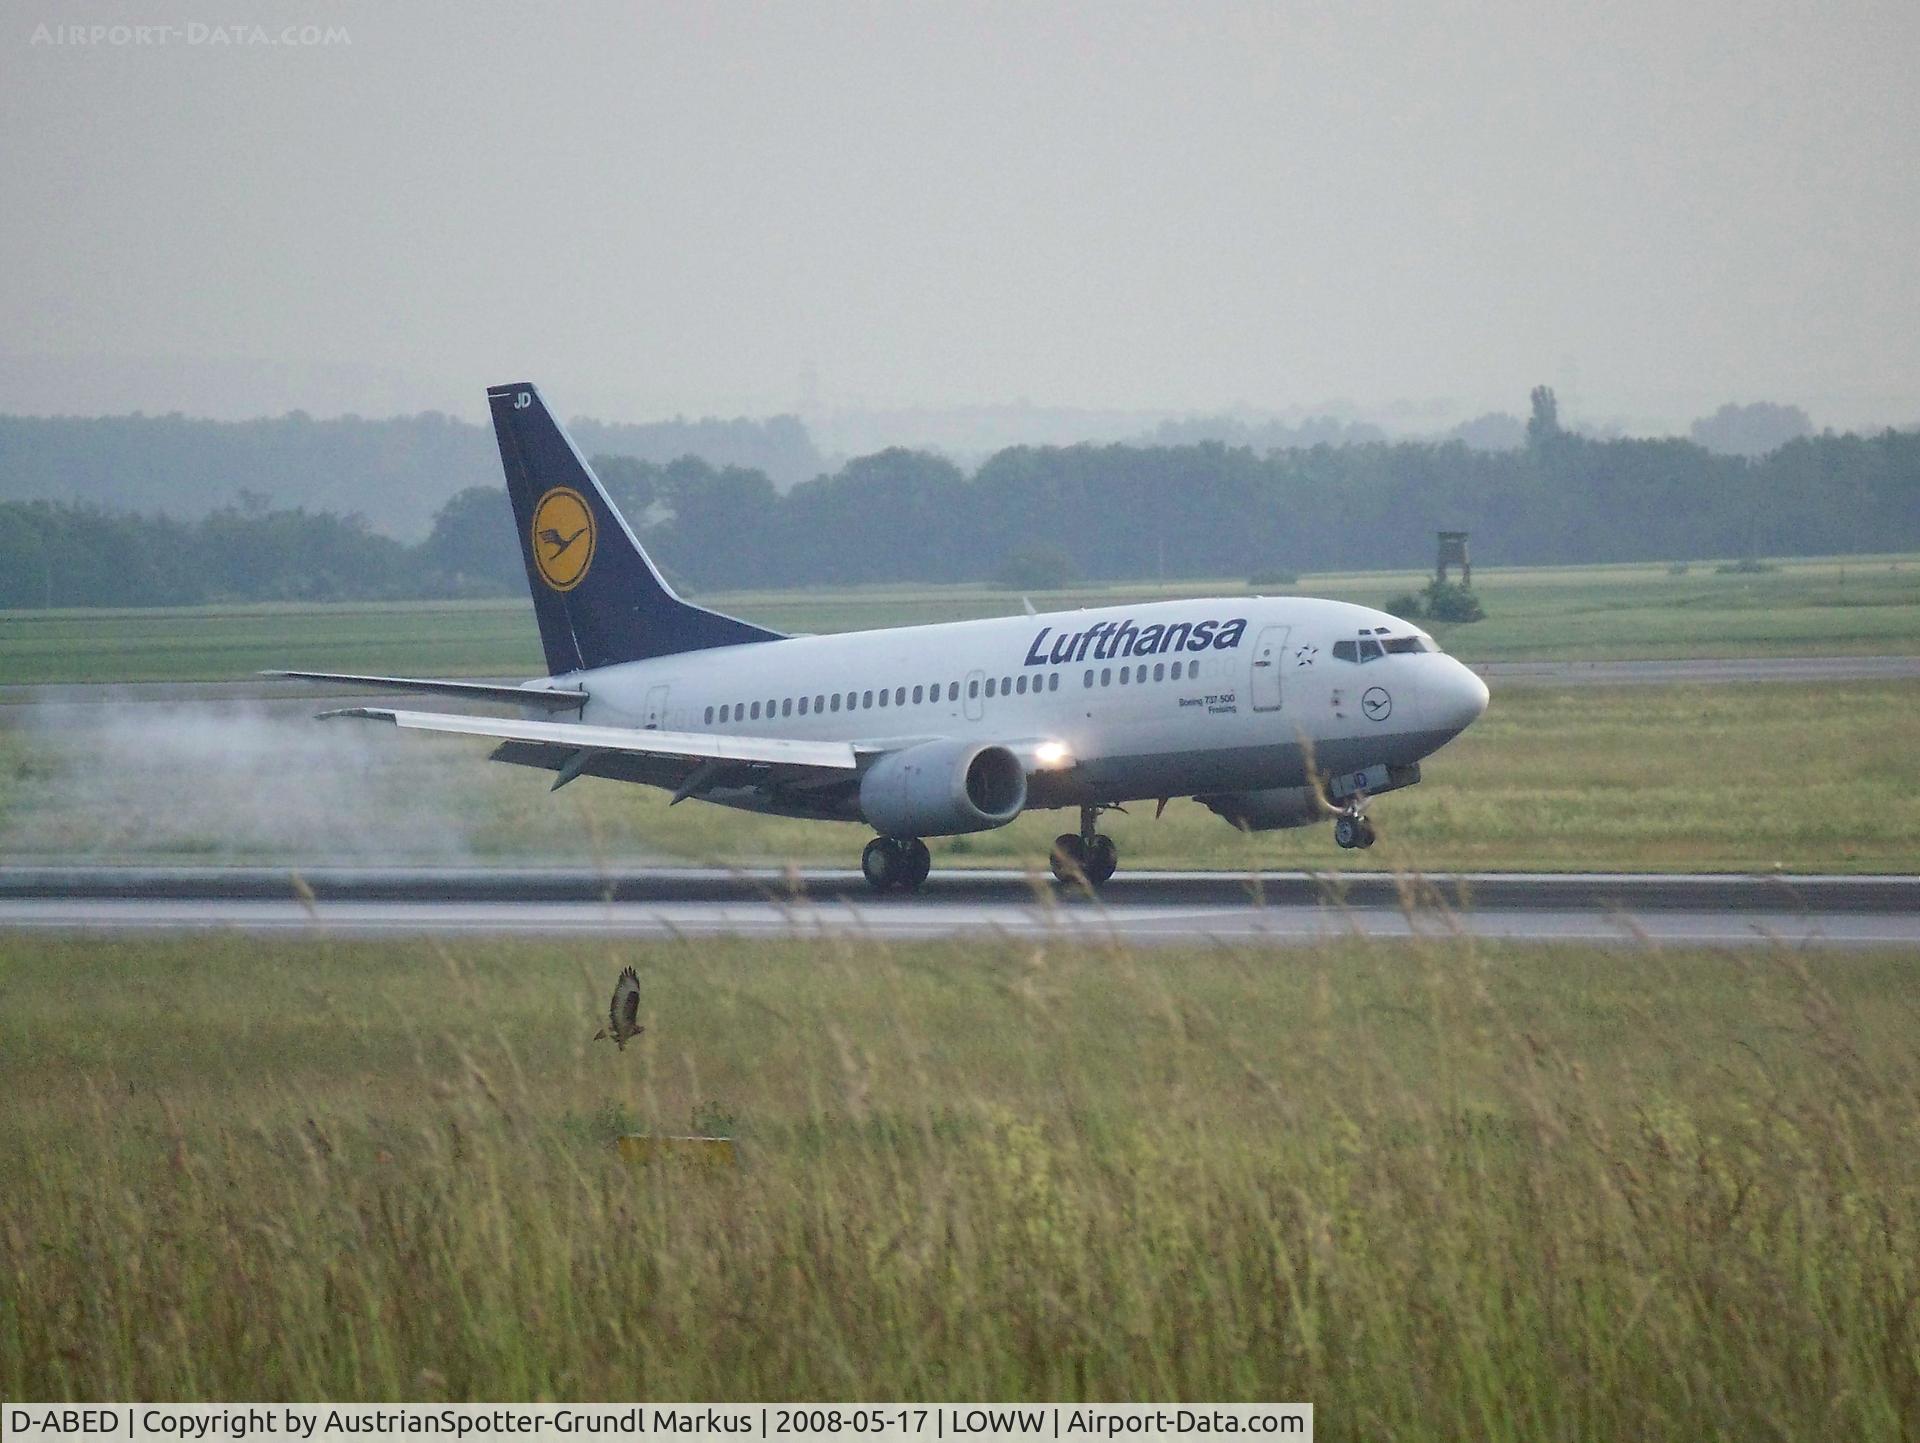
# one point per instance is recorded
(1108, 640)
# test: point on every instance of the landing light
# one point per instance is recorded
(1052, 754)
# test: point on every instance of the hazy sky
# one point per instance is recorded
(728, 207)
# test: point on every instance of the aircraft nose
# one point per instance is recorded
(1458, 698)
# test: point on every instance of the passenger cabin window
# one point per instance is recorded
(973, 688)
(917, 694)
(709, 716)
(953, 691)
(989, 686)
(1053, 681)
(820, 704)
(1159, 671)
(1106, 676)
(786, 707)
(803, 705)
(883, 696)
(1088, 679)
(836, 701)
(866, 701)
(756, 711)
(1006, 686)
(899, 696)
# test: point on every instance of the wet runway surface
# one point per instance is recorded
(1147, 908)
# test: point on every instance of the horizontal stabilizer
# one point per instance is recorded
(768, 751)
(554, 698)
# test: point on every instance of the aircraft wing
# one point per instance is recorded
(555, 698)
(577, 740)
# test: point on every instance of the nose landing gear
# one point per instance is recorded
(1085, 856)
(896, 864)
(1351, 829)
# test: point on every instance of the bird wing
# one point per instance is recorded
(625, 1008)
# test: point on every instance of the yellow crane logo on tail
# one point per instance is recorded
(563, 537)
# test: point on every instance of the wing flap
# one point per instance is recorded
(701, 746)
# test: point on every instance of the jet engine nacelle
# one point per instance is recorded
(943, 788)
(1268, 810)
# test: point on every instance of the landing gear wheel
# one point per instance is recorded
(892, 865)
(916, 861)
(882, 864)
(1352, 831)
(1079, 860)
(1102, 858)
(1069, 858)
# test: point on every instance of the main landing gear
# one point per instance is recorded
(894, 864)
(1351, 829)
(1085, 856)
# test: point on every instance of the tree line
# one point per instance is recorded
(1110, 512)
(397, 470)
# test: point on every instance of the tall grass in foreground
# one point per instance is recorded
(1440, 1191)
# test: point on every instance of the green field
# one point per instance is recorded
(1735, 777)
(1440, 1191)
(1859, 605)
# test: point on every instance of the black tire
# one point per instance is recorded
(1365, 839)
(1346, 831)
(1069, 858)
(916, 862)
(1102, 860)
(882, 864)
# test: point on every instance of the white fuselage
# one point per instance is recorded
(1177, 698)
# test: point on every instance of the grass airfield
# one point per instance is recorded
(1442, 1190)
(1740, 777)
(1857, 605)
(1439, 1189)
(1748, 777)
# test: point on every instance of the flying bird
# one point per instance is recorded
(559, 543)
(624, 1011)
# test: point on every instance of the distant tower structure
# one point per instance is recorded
(1453, 552)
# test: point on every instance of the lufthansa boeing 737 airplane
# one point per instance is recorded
(1272, 712)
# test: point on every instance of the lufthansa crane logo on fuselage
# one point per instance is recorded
(563, 537)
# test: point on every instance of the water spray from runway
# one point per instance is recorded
(234, 782)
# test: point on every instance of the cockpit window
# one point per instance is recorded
(1395, 644)
(1363, 650)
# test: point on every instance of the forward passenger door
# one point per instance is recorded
(1269, 650)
